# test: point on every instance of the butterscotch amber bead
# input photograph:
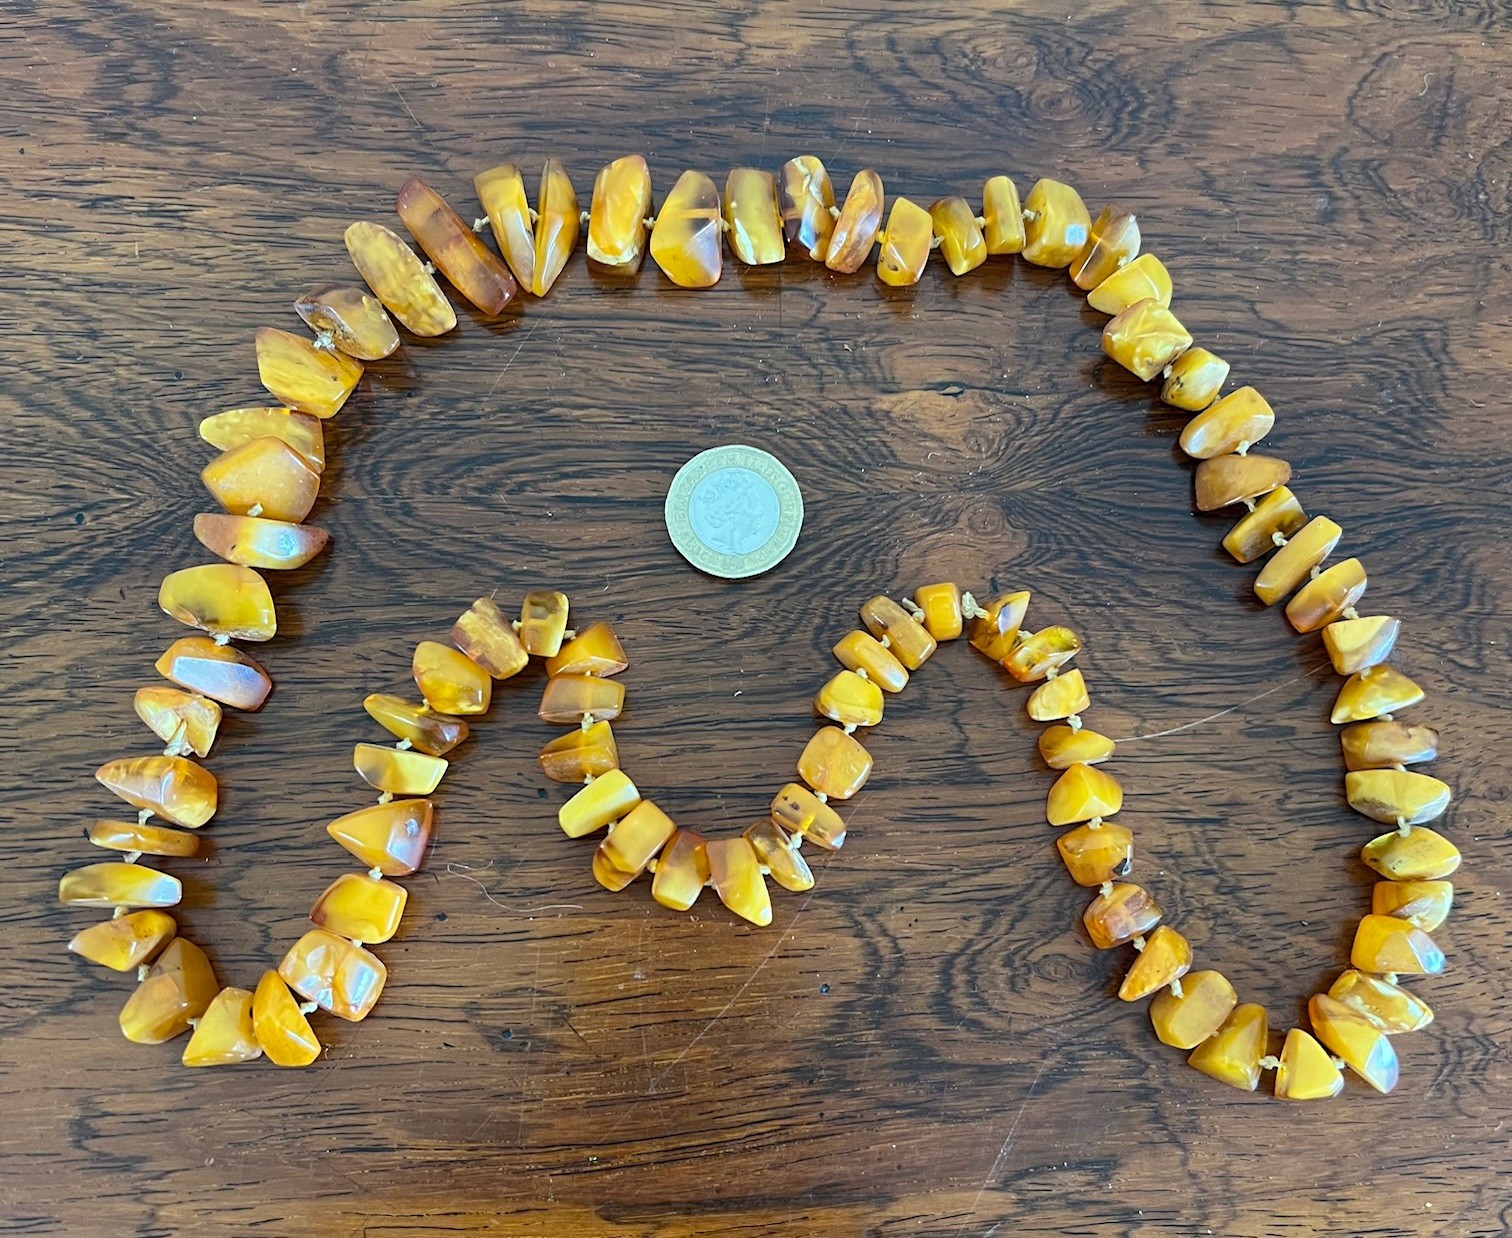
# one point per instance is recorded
(1166, 956)
(580, 754)
(501, 192)
(280, 1026)
(1385, 1006)
(1124, 912)
(783, 861)
(941, 604)
(185, 718)
(223, 599)
(905, 244)
(353, 319)
(236, 426)
(450, 681)
(1374, 691)
(595, 650)
(1425, 904)
(1234, 478)
(1306, 1071)
(303, 376)
(799, 811)
(962, 244)
(1060, 697)
(1232, 1054)
(1389, 944)
(1364, 1047)
(859, 651)
(736, 874)
(427, 731)
(603, 800)
(1294, 562)
(996, 632)
(1143, 279)
(125, 943)
(1242, 416)
(363, 908)
(850, 700)
(489, 639)
(857, 225)
(220, 672)
(1357, 644)
(1056, 224)
(265, 477)
(1194, 379)
(752, 218)
(224, 1035)
(558, 221)
(636, 838)
(251, 541)
(607, 875)
(1095, 854)
(569, 698)
(682, 871)
(398, 771)
(1420, 854)
(1039, 653)
(835, 763)
(1327, 596)
(142, 839)
(450, 243)
(1113, 242)
(390, 837)
(1254, 534)
(1395, 796)
(1081, 793)
(114, 884)
(1184, 1022)
(1061, 747)
(618, 212)
(175, 789)
(806, 198)
(337, 975)
(1003, 216)
(907, 638)
(178, 988)
(685, 240)
(1145, 338)
(408, 291)
(543, 622)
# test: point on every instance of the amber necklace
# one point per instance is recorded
(267, 479)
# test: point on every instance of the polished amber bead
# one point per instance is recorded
(224, 1035)
(962, 244)
(1194, 379)
(1234, 478)
(1145, 338)
(736, 874)
(125, 943)
(390, 837)
(182, 718)
(941, 605)
(1396, 796)
(1113, 242)
(450, 243)
(1385, 1006)
(1061, 747)
(175, 789)
(685, 239)
(236, 426)
(543, 622)
(252, 541)
(1166, 956)
(558, 221)
(1425, 904)
(1357, 644)
(799, 811)
(859, 651)
(408, 291)
(144, 839)
(1056, 224)
(427, 731)
(907, 639)
(1095, 854)
(636, 838)
(780, 857)
(398, 771)
(353, 319)
(1294, 562)
(595, 650)
(752, 218)
(571, 698)
(1232, 1054)
(220, 672)
(607, 875)
(857, 225)
(1039, 653)
(806, 199)
(1390, 944)
(605, 799)
(905, 244)
(996, 632)
(618, 213)
(1254, 534)
(501, 192)
(1207, 999)
(337, 975)
(835, 763)
(223, 599)
(1241, 417)
(364, 908)
(1003, 216)
(1143, 279)
(303, 376)
(1374, 691)
(1363, 1046)
(1420, 854)
(280, 1026)
(1327, 596)
(682, 871)
(113, 884)
(450, 681)
(580, 754)
(1122, 913)
(489, 639)
(850, 700)
(178, 988)
(265, 477)
(1060, 697)
(1081, 793)
(1306, 1071)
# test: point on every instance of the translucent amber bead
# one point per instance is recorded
(427, 731)
(1389, 944)
(835, 763)
(175, 789)
(806, 198)
(906, 243)
(543, 622)
(595, 650)
(799, 811)
(1143, 279)
(558, 221)
(1061, 747)
(1357, 644)
(1095, 854)
(1059, 697)
(334, 973)
(1385, 1006)
(850, 700)
(685, 239)
(1193, 380)
(783, 861)
(398, 771)
(390, 837)
(265, 477)
(1145, 338)
(736, 874)
(1396, 796)
(1327, 596)
(941, 605)
(178, 988)
(962, 244)
(636, 838)
(1374, 691)
(1124, 912)
(1232, 1054)
(1363, 1046)
(605, 799)
(280, 1026)
(754, 222)
(1425, 904)
(125, 943)
(1184, 1022)
(1056, 224)
(251, 541)
(363, 908)
(450, 243)
(223, 599)
(142, 839)
(224, 1035)
(1003, 216)
(569, 698)
(907, 639)
(859, 651)
(1039, 653)
(408, 291)
(220, 672)
(1081, 793)
(1232, 479)
(618, 213)
(1241, 417)
(580, 754)
(682, 871)
(450, 681)
(501, 192)
(179, 717)
(1306, 1071)
(857, 225)
(303, 376)
(353, 319)
(1112, 243)
(489, 639)
(1420, 854)
(1294, 562)
(236, 426)
(607, 875)
(1166, 956)
(113, 884)
(1253, 535)
(996, 632)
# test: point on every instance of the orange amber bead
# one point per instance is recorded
(334, 973)
(806, 199)
(303, 376)
(1232, 1054)
(905, 244)
(686, 238)
(580, 754)
(143, 839)
(1374, 692)
(1194, 379)
(1184, 1022)
(408, 291)
(175, 789)
(1145, 338)
(607, 875)
(223, 599)
(449, 241)
(941, 605)
(236, 426)
(1254, 534)
(353, 319)
(398, 771)
(1061, 747)
(603, 800)
(1056, 224)
(543, 622)
(858, 651)
(489, 639)
(363, 908)
(220, 672)
(558, 221)
(906, 637)
(1377, 745)
(1003, 216)
(1060, 697)
(850, 700)
(1036, 655)
(1306, 1072)
(1357, 644)
(1143, 279)
(1242, 416)
(962, 244)
(1294, 562)
(571, 698)
(390, 837)
(1388, 944)
(752, 218)
(115, 884)
(125, 943)
(1112, 243)
(252, 541)
(427, 731)
(280, 1026)
(996, 632)
(736, 874)
(1420, 854)
(1232, 479)
(1385, 1006)
(857, 225)
(780, 857)
(450, 681)
(1081, 793)
(617, 216)
(799, 811)
(635, 839)
(1166, 956)
(682, 871)
(595, 650)
(183, 718)
(265, 477)
(1363, 1046)
(1124, 912)
(501, 191)
(1095, 854)
(178, 988)
(835, 763)
(1326, 597)
(1425, 904)
(224, 1035)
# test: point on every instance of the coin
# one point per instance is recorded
(734, 511)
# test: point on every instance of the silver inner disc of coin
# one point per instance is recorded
(734, 511)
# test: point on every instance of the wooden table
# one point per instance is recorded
(925, 1044)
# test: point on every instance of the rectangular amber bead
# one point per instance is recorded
(941, 604)
(682, 871)
(580, 754)
(635, 839)
(618, 213)
(334, 973)
(835, 763)
(489, 639)
(1254, 534)
(543, 622)
(806, 199)
(361, 907)
(603, 800)
(735, 873)
(1326, 597)
(408, 291)
(303, 376)
(1003, 216)
(906, 244)
(571, 698)
(1145, 338)
(961, 242)
(799, 811)
(859, 651)
(398, 771)
(449, 241)
(906, 637)
(753, 219)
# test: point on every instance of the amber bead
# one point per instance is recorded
(543, 622)
(799, 811)
(805, 197)
(450, 243)
(178, 988)
(1294, 562)
(1395, 796)
(390, 837)
(1234, 478)
(580, 754)
(265, 477)
(962, 244)
(558, 221)
(1143, 279)
(1184, 1022)
(353, 319)
(1122, 913)
(1039, 653)
(184, 718)
(408, 291)
(1357, 644)
(114, 884)
(905, 244)
(595, 650)
(337, 975)
(1425, 904)
(398, 771)
(427, 731)
(1232, 1054)
(1061, 747)
(361, 907)
(1390, 944)
(607, 875)
(1193, 380)
(996, 632)
(783, 861)
(1081, 793)
(859, 651)
(1327, 596)
(144, 839)
(1060, 697)
(682, 871)
(501, 192)
(850, 700)
(618, 212)
(636, 838)
(450, 681)
(484, 634)
(753, 221)
(224, 1034)
(835, 763)
(1145, 338)
(223, 599)
(1385, 1006)
(1241, 417)
(1003, 216)
(1306, 1072)
(236, 426)
(570, 698)
(303, 376)
(1420, 854)
(736, 874)
(175, 789)
(1113, 242)
(280, 1026)
(1095, 854)
(1374, 691)
(1364, 1047)
(1056, 224)
(252, 541)
(907, 638)
(685, 239)
(1254, 534)
(605, 799)
(220, 672)
(1166, 956)
(125, 943)
(857, 225)
(941, 605)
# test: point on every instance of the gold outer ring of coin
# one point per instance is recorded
(734, 511)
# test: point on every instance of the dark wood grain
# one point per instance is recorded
(925, 1044)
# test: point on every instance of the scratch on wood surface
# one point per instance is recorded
(1002, 1155)
(1244, 704)
(524, 339)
